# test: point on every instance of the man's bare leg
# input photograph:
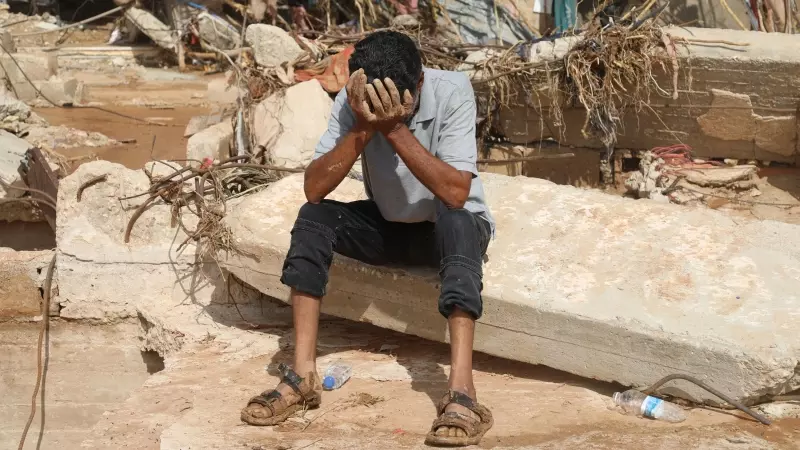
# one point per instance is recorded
(462, 334)
(305, 313)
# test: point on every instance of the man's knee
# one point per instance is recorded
(456, 224)
(317, 218)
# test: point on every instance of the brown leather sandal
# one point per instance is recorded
(309, 389)
(473, 428)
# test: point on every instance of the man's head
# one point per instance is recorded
(389, 54)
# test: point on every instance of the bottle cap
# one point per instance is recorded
(328, 383)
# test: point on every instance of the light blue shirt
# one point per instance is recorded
(444, 124)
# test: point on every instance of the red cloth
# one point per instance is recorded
(333, 76)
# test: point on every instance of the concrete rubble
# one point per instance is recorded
(721, 111)
(22, 275)
(214, 142)
(578, 290)
(199, 123)
(290, 124)
(271, 45)
(601, 288)
(12, 152)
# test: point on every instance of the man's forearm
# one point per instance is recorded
(326, 172)
(447, 183)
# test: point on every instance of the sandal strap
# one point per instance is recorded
(266, 399)
(453, 419)
(290, 378)
(459, 399)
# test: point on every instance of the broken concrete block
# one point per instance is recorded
(199, 123)
(161, 34)
(12, 109)
(217, 32)
(213, 142)
(22, 275)
(12, 153)
(290, 124)
(60, 91)
(94, 262)
(600, 286)
(36, 66)
(271, 45)
(150, 279)
(719, 176)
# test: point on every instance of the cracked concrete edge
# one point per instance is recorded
(562, 341)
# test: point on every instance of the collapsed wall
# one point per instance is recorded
(738, 95)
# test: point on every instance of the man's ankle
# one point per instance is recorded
(303, 368)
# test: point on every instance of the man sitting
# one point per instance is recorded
(426, 207)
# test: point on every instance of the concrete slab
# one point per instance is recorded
(599, 286)
(91, 369)
(22, 276)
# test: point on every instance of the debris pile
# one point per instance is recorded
(670, 174)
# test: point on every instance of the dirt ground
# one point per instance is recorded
(389, 402)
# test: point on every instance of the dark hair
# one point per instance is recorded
(388, 54)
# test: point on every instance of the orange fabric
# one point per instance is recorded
(333, 73)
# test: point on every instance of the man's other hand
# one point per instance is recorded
(388, 110)
(356, 98)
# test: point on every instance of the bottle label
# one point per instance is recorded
(649, 406)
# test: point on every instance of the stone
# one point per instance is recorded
(23, 69)
(600, 286)
(61, 91)
(161, 34)
(289, 125)
(177, 293)
(12, 109)
(214, 142)
(271, 45)
(100, 276)
(199, 123)
(22, 275)
(12, 153)
(217, 31)
(719, 176)
(780, 410)
(36, 66)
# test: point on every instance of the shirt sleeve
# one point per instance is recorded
(340, 123)
(457, 145)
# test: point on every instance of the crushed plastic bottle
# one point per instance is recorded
(637, 403)
(336, 375)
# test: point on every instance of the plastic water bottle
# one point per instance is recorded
(336, 375)
(636, 403)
